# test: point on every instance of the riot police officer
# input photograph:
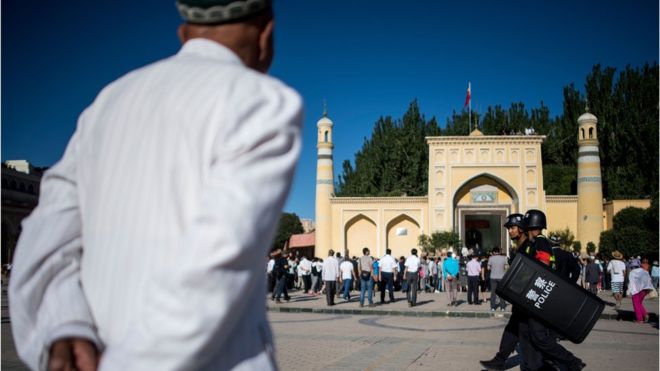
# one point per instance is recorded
(542, 337)
(518, 320)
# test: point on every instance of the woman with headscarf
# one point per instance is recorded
(639, 284)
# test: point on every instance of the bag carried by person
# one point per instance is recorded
(365, 275)
(653, 293)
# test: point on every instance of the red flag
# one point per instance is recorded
(467, 97)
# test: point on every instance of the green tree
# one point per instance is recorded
(630, 217)
(425, 243)
(394, 161)
(438, 240)
(566, 237)
(629, 240)
(289, 225)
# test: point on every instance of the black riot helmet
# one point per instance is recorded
(514, 220)
(534, 219)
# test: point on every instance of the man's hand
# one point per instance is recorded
(73, 354)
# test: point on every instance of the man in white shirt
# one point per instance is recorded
(305, 271)
(473, 273)
(387, 275)
(347, 277)
(411, 275)
(330, 275)
(617, 269)
(175, 174)
(269, 273)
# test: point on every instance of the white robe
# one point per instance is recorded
(146, 232)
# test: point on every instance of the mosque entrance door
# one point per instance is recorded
(481, 229)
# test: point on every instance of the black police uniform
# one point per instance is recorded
(517, 331)
(542, 338)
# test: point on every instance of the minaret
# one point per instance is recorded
(324, 185)
(589, 182)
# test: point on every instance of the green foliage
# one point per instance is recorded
(591, 247)
(566, 236)
(629, 240)
(560, 179)
(394, 161)
(577, 246)
(446, 239)
(425, 243)
(289, 225)
(438, 240)
(630, 217)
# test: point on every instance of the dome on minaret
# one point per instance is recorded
(587, 118)
(324, 121)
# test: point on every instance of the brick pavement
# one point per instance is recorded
(429, 336)
(317, 341)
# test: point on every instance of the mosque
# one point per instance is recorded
(475, 181)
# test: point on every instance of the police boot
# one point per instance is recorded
(576, 365)
(494, 364)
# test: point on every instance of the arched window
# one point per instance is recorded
(325, 137)
(582, 131)
(30, 189)
(591, 133)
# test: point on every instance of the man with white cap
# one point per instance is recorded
(141, 247)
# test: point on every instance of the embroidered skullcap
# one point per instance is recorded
(219, 11)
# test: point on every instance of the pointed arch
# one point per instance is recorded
(512, 192)
(402, 234)
(360, 231)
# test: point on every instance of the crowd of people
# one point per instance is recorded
(474, 273)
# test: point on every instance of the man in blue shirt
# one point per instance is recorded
(450, 275)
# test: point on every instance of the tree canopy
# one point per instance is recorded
(394, 160)
(289, 225)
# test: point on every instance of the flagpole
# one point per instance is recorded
(470, 106)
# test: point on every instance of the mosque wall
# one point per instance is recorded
(377, 223)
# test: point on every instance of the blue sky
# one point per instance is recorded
(366, 58)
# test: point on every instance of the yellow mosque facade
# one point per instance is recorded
(475, 181)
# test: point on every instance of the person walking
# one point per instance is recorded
(316, 275)
(205, 132)
(388, 267)
(280, 268)
(305, 273)
(450, 271)
(347, 276)
(330, 274)
(655, 273)
(541, 336)
(365, 266)
(411, 275)
(497, 265)
(473, 274)
(639, 285)
(617, 269)
(517, 324)
(592, 275)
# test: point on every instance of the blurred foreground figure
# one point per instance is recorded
(137, 256)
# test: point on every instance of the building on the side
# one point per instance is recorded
(475, 181)
(308, 225)
(20, 195)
